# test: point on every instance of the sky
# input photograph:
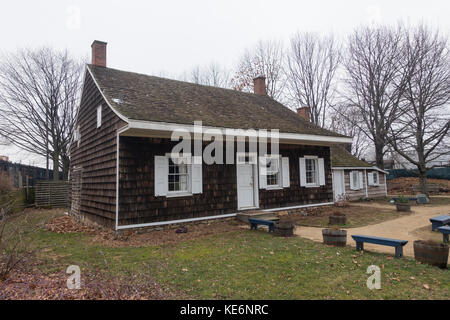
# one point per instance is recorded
(172, 36)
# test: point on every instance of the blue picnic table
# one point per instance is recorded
(397, 244)
(445, 232)
(439, 221)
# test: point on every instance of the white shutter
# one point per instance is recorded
(161, 176)
(370, 179)
(285, 172)
(321, 172)
(197, 175)
(361, 180)
(262, 173)
(302, 172)
(352, 185)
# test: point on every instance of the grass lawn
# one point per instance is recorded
(357, 216)
(246, 265)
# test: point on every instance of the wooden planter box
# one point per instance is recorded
(284, 229)
(435, 254)
(403, 207)
(337, 219)
(334, 237)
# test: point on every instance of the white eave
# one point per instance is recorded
(360, 168)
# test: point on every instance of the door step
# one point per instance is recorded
(244, 216)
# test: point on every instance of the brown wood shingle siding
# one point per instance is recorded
(373, 191)
(137, 203)
(96, 157)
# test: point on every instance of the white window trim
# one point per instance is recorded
(278, 186)
(317, 183)
(378, 178)
(99, 116)
(188, 193)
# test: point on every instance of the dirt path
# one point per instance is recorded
(400, 228)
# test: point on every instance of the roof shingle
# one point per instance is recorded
(152, 98)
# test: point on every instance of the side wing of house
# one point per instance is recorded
(364, 183)
(93, 158)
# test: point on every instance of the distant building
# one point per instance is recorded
(4, 158)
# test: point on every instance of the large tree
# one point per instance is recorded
(421, 134)
(265, 59)
(311, 66)
(39, 96)
(374, 81)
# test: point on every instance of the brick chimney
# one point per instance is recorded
(259, 86)
(304, 112)
(99, 53)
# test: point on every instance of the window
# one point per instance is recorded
(178, 175)
(77, 135)
(99, 116)
(273, 172)
(356, 180)
(375, 178)
(311, 171)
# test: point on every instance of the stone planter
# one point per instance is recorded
(334, 237)
(284, 229)
(403, 207)
(433, 253)
(337, 219)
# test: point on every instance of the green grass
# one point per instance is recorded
(250, 265)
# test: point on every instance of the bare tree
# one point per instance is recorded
(374, 81)
(312, 63)
(345, 121)
(211, 75)
(421, 134)
(266, 59)
(39, 92)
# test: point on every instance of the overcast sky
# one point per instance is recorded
(171, 37)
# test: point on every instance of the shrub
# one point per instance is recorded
(402, 199)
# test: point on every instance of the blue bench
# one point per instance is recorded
(445, 232)
(439, 221)
(255, 222)
(410, 199)
(398, 244)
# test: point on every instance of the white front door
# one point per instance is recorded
(246, 186)
(338, 184)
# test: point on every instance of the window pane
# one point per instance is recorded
(272, 167)
(178, 176)
(311, 173)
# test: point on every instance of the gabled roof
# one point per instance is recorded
(147, 98)
(340, 157)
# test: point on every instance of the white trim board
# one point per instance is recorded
(360, 168)
(299, 207)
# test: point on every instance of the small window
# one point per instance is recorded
(273, 172)
(178, 176)
(77, 135)
(375, 178)
(99, 116)
(311, 172)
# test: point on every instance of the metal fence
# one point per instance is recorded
(52, 194)
(435, 173)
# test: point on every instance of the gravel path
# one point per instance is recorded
(400, 228)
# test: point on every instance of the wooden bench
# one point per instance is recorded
(410, 199)
(398, 244)
(445, 232)
(255, 222)
(439, 221)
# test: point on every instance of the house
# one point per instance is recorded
(355, 179)
(124, 171)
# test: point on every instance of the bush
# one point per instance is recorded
(402, 199)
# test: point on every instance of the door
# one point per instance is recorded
(338, 184)
(246, 185)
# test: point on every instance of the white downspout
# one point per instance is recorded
(365, 177)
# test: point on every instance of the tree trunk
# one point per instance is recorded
(379, 156)
(55, 157)
(66, 163)
(423, 180)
